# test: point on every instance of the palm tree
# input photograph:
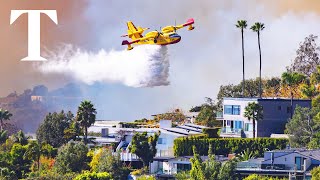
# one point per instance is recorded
(3, 136)
(242, 24)
(245, 155)
(258, 27)
(292, 80)
(86, 116)
(20, 138)
(4, 115)
(253, 112)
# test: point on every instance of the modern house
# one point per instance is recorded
(293, 163)
(276, 113)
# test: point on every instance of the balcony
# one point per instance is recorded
(250, 166)
(230, 132)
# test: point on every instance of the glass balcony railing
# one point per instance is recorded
(229, 130)
(267, 167)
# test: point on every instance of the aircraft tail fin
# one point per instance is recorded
(134, 32)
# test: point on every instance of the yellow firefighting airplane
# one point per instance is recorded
(167, 35)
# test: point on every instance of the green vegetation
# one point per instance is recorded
(211, 169)
(86, 116)
(245, 155)
(144, 146)
(259, 177)
(4, 115)
(104, 161)
(253, 112)
(146, 177)
(93, 176)
(211, 132)
(72, 157)
(52, 130)
(315, 173)
(304, 128)
(207, 114)
(183, 146)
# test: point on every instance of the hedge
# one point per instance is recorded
(224, 146)
(93, 176)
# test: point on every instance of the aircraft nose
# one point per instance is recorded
(175, 36)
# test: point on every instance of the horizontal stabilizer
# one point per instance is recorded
(189, 22)
(126, 42)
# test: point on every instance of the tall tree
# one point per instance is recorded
(307, 58)
(4, 115)
(207, 114)
(258, 27)
(144, 146)
(302, 126)
(272, 87)
(197, 166)
(292, 80)
(254, 112)
(72, 157)
(51, 131)
(86, 116)
(242, 24)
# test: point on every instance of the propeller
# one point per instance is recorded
(175, 25)
(159, 32)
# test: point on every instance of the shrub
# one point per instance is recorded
(259, 177)
(224, 146)
(72, 157)
(146, 177)
(211, 132)
(93, 176)
(315, 172)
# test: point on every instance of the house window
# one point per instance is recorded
(183, 167)
(228, 123)
(161, 141)
(238, 124)
(298, 163)
(248, 127)
(227, 109)
(232, 109)
(236, 110)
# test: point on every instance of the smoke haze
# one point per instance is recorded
(205, 58)
(144, 66)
